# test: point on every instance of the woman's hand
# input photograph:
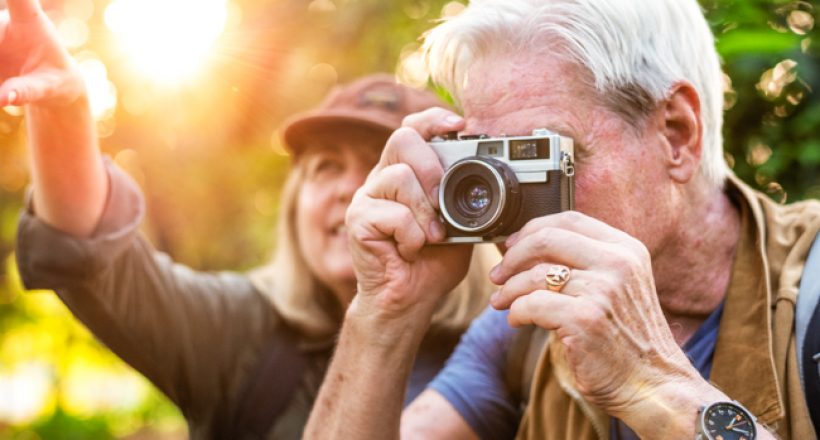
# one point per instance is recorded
(70, 184)
(34, 67)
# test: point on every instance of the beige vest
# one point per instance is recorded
(755, 358)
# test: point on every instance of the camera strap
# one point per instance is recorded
(807, 332)
(269, 388)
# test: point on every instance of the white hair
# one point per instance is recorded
(635, 50)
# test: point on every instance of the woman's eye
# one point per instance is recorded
(326, 166)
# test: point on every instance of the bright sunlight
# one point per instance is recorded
(167, 40)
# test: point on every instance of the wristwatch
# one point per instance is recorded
(725, 421)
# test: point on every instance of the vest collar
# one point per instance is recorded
(744, 366)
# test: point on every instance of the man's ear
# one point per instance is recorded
(681, 127)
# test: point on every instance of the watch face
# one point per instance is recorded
(727, 421)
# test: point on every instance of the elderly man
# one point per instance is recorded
(682, 283)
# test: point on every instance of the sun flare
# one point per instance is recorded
(167, 40)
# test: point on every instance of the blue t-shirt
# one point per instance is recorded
(473, 380)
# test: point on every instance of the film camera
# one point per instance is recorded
(492, 186)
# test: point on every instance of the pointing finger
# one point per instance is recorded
(23, 10)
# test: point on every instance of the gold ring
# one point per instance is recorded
(556, 277)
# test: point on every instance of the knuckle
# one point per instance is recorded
(352, 212)
(357, 232)
(544, 238)
(518, 309)
(621, 269)
(504, 292)
(591, 316)
(628, 264)
(400, 175)
(604, 307)
(410, 120)
(570, 217)
(641, 252)
(619, 259)
(538, 275)
(509, 292)
(402, 138)
(423, 117)
(405, 217)
(533, 224)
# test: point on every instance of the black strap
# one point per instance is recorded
(269, 388)
(522, 357)
(516, 362)
(811, 368)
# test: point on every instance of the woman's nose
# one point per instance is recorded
(350, 182)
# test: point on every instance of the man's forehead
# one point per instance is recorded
(513, 96)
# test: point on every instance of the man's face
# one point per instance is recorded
(621, 175)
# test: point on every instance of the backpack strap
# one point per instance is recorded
(811, 366)
(269, 388)
(807, 331)
(522, 358)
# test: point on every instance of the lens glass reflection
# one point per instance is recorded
(474, 197)
(478, 197)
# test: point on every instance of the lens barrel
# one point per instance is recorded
(479, 195)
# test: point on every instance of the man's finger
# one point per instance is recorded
(543, 308)
(433, 122)
(573, 221)
(407, 146)
(528, 281)
(553, 245)
(398, 183)
(22, 11)
(379, 220)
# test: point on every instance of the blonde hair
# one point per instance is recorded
(309, 307)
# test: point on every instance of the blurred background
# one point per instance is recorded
(188, 96)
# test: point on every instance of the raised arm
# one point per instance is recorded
(70, 185)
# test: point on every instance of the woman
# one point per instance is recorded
(242, 356)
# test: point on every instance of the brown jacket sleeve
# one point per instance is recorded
(193, 334)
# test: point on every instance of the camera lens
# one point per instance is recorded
(474, 197)
(478, 195)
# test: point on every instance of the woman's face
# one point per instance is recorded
(332, 176)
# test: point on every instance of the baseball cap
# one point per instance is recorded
(374, 102)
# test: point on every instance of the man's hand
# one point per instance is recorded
(607, 317)
(34, 67)
(391, 224)
(392, 221)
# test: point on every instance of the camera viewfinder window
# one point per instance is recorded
(492, 148)
(529, 149)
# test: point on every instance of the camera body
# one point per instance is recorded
(492, 186)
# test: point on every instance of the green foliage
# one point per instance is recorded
(770, 51)
(208, 155)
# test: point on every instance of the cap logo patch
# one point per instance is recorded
(379, 98)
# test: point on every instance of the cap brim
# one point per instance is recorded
(300, 129)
